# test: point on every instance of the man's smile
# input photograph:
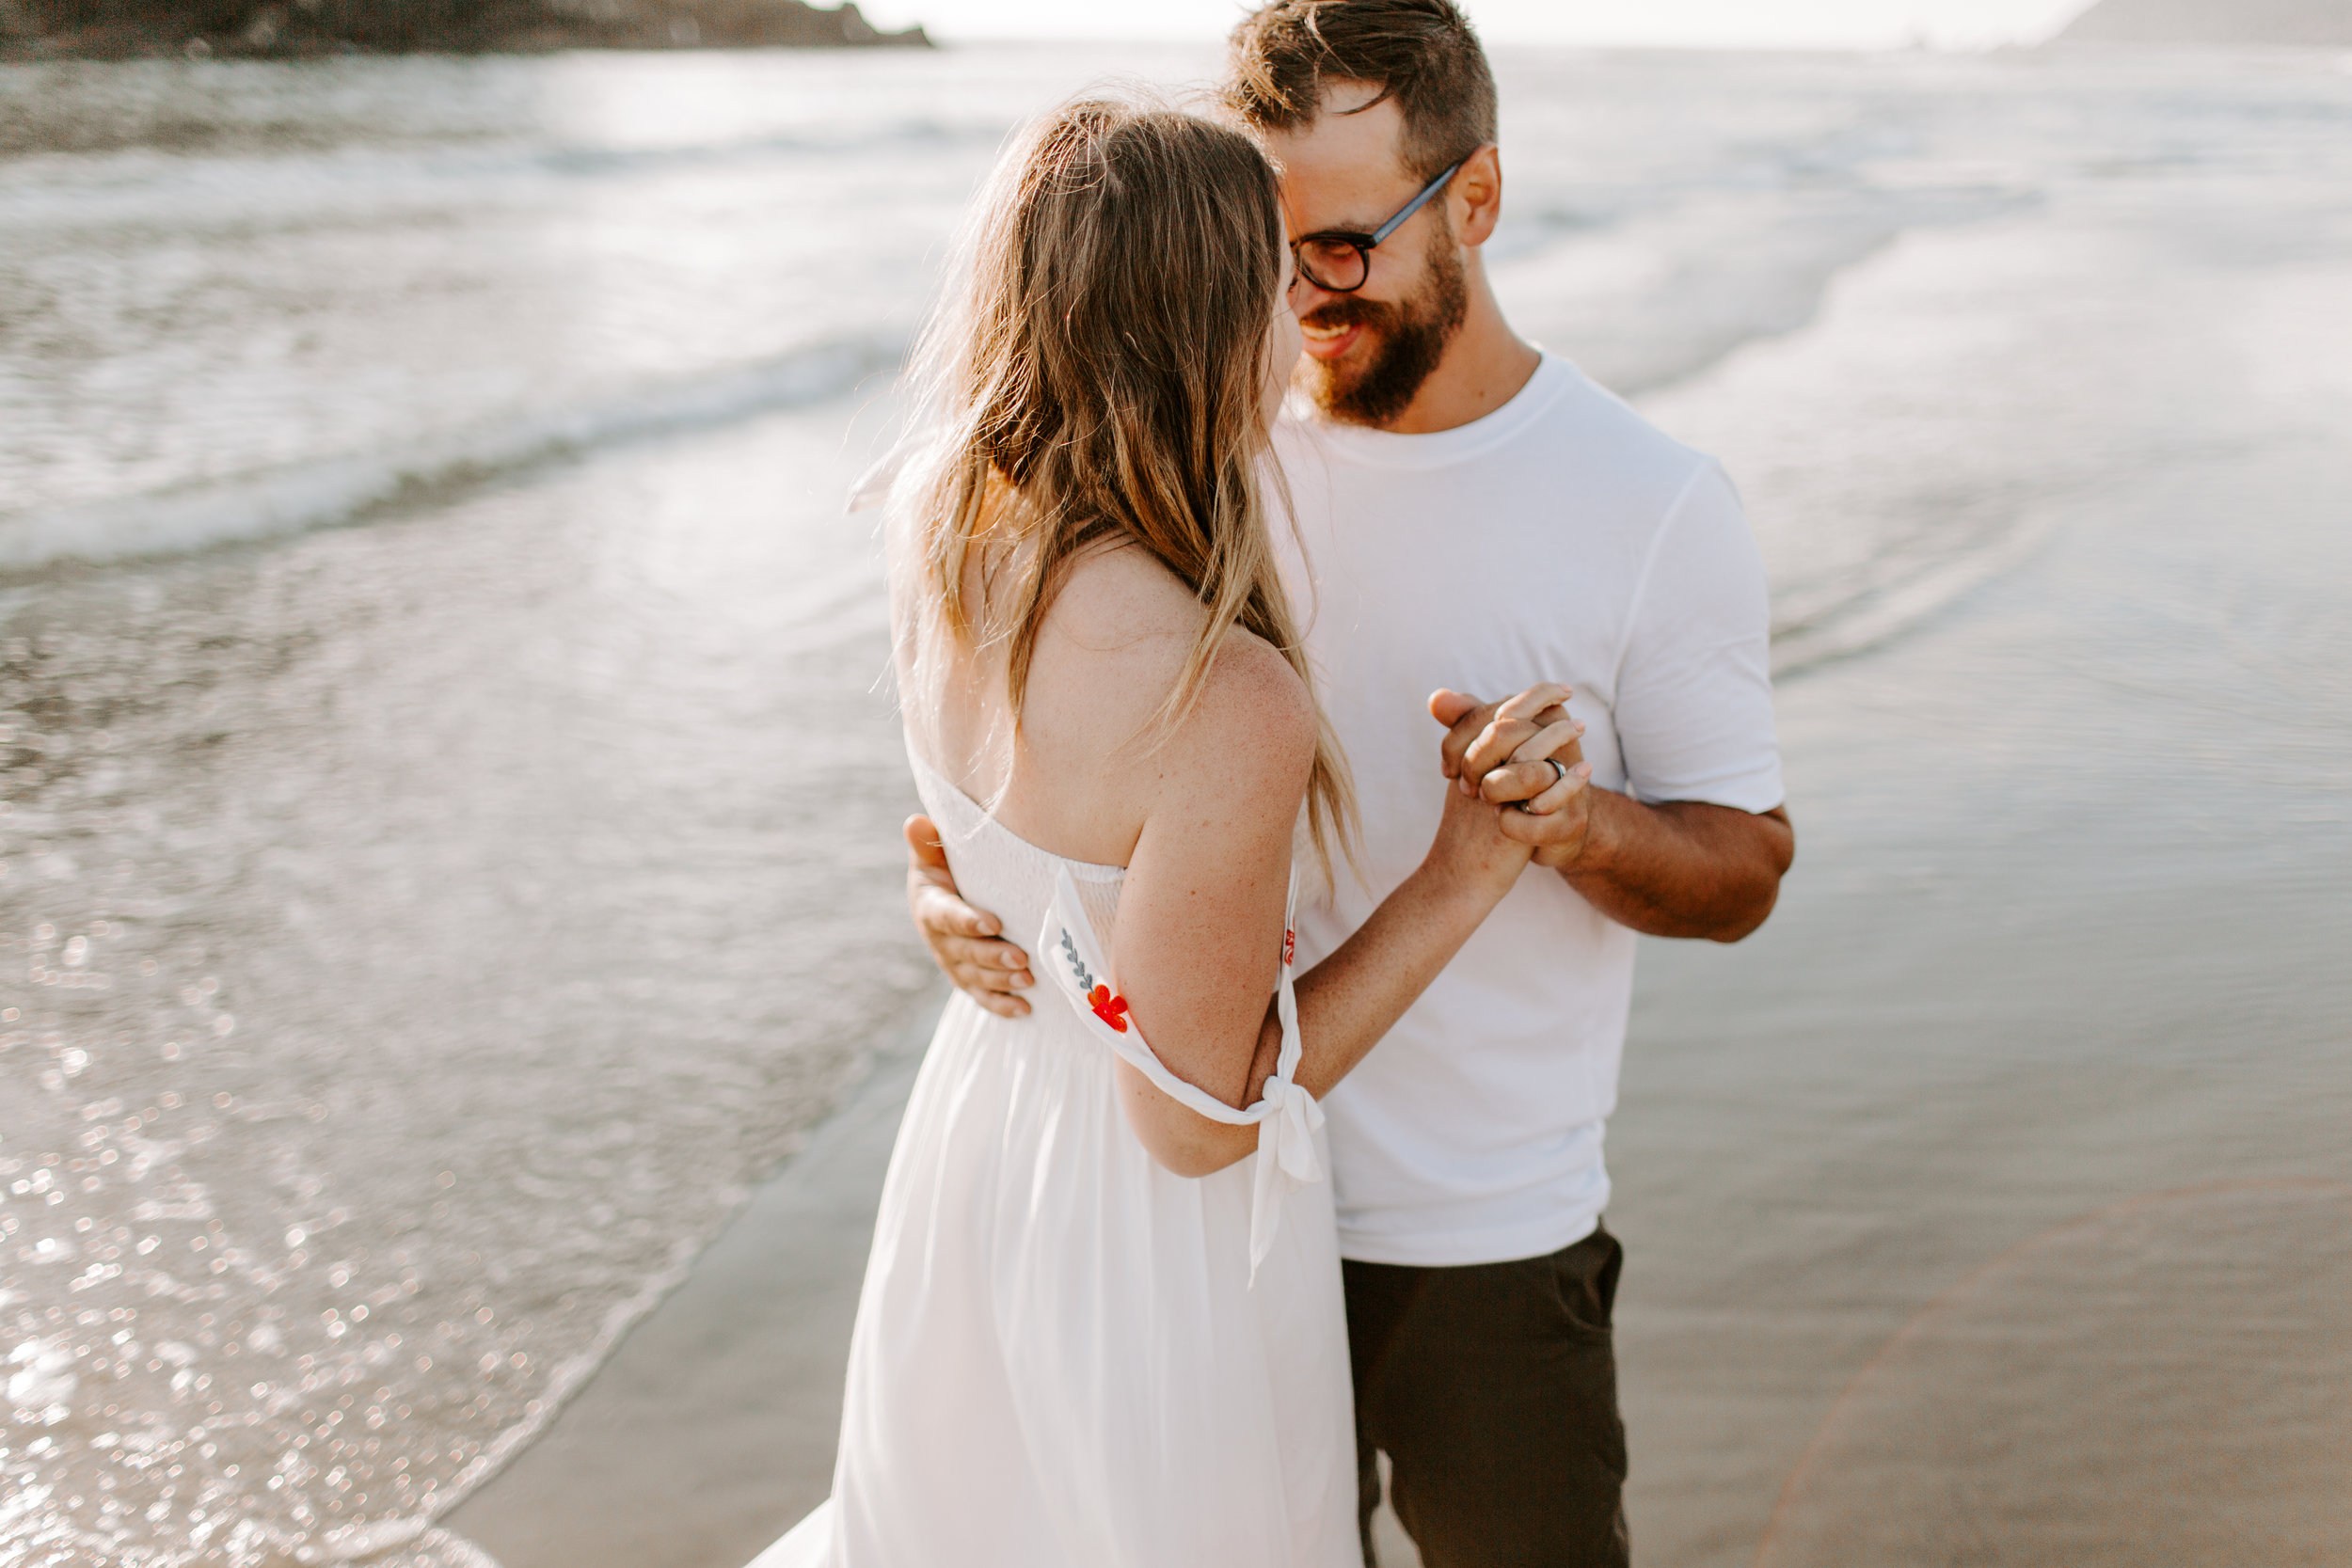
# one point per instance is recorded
(1330, 341)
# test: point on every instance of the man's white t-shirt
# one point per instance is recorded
(1560, 538)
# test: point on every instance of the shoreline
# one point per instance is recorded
(731, 1386)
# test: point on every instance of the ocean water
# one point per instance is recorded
(449, 833)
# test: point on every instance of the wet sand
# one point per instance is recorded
(2065, 934)
(2029, 1104)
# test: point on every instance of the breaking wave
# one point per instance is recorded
(346, 489)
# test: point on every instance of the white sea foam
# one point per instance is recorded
(1866, 616)
(337, 490)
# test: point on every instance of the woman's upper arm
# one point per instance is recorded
(1198, 943)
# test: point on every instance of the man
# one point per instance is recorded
(1476, 512)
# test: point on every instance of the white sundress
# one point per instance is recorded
(1067, 1356)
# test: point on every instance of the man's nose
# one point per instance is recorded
(1308, 295)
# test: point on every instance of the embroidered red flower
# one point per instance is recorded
(1110, 1009)
(1290, 946)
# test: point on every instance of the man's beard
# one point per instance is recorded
(1410, 338)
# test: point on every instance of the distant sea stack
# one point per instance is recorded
(2324, 22)
(124, 29)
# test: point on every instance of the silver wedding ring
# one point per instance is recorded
(1558, 773)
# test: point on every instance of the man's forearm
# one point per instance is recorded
(1683, 868)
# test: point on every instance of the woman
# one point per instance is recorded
(1095, 1333)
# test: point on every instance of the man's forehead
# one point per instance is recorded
(1341, 166)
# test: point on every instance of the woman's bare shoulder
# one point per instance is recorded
(1117, 599)
(1137, 621)
(1252, 683)
(1247, 747)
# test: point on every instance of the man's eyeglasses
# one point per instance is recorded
(1338, 261)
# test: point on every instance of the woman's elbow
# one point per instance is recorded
(1189, 1153)
(1180, 1141)
(1194, 1164)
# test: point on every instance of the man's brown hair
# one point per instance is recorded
(1421, 52)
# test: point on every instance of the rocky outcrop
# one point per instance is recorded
(2324, 22)
(130, 28)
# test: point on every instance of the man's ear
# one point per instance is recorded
(1475, 196)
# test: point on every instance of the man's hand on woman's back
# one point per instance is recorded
(965, 942)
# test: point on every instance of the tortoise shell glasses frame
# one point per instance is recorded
(1339, 260)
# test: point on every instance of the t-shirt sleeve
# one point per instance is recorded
(1694, 687)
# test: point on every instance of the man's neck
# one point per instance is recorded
(1485, 364)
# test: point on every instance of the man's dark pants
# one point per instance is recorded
(1493, 1390)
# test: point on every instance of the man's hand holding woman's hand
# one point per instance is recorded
(965, 942)
(1505, 754)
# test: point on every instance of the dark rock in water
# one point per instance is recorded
(36, 29)
(2324, 23)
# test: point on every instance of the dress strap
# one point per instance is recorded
(1286, 1115)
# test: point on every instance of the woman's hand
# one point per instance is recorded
(1526, 756)
(1471, 854)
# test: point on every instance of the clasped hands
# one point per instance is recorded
(1503, 753)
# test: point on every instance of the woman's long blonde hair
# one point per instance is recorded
(1101, 377)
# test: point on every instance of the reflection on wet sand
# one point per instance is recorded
(2168, 1374)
